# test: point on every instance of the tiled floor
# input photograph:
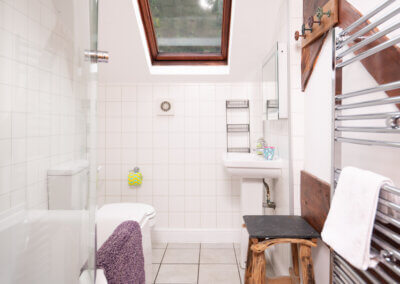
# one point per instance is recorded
(196, 263)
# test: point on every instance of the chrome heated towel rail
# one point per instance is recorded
(351, 113)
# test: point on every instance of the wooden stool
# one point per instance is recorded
(265, 231)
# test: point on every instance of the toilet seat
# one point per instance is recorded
(110, 216)
(138, 212)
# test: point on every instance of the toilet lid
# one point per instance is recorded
(126, 211)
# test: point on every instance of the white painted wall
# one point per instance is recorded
(252, 32)
(318, 125)
(317, 139)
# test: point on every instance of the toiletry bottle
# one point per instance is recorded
(260, 146)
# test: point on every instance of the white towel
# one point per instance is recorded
(348, 227)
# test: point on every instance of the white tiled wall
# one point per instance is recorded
(42, 116)
(179, 156)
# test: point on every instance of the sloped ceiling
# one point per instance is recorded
(253, 33)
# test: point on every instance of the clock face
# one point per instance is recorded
(165, 106)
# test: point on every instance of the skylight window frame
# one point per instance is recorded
(164, 58)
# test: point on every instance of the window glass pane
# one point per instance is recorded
(192, 26)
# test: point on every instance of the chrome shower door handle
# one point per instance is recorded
(96, 56)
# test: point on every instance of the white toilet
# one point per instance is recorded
(111, 215)
(67, 186)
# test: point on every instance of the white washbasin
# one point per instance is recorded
(249, 165)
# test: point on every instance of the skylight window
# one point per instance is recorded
(187, 31)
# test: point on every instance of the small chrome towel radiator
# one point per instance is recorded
(353, 40)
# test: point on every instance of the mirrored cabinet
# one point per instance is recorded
(275, 83)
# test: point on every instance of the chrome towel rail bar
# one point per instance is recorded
(368, 142)
(339, 261)
(382, 273)
(388, 233)
(386, 219)
(370, 52)
(349, 271)
(383, 115)
(385, 101)
(368, 40)
(366, 29)
(346, 277)
(367, 129)
(380, 88)
(389, 264)
(386, 246)
(365, 17)
(389, 204)
(344, 270)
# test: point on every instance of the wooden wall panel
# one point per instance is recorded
(310, 53)
(315, 200)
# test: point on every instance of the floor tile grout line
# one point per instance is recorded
(194, 263)
(237, 263)
(198, 265)
(159, 267)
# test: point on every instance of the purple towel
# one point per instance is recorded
(121, 255)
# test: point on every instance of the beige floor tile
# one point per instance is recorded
(217, 256)
(155, 267)
(157, 255)
(181, 256)
(184, 245)
(177, 273)
(219, 274)
(159, 245)
(216, 245)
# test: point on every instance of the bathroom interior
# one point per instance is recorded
(199, 141)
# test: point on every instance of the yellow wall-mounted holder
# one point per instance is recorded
(135, 177)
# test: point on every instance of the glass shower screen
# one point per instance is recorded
(47, 120)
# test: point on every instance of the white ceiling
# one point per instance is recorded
(253, 30)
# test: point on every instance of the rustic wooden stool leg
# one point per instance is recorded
(249, 263)
(295, 259)
(307, 269)
(258, 274)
